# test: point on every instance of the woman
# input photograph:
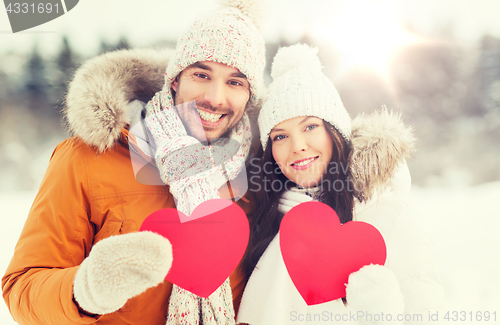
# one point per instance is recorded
(310, 153)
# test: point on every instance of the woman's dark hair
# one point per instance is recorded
(267, 183)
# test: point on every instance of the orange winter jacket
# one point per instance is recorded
(83, 198)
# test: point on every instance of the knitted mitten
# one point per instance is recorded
(119, 268)
(374, 290)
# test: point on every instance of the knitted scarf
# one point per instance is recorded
(194, 173)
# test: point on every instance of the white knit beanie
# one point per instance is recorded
(299, 88)
(230, 36)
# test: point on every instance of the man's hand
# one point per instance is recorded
(119, 268)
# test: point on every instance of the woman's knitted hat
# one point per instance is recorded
(230, 36)
(299, 88)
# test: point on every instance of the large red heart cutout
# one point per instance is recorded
(205, 250)
(320, 253)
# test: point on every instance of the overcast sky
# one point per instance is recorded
(146, 21)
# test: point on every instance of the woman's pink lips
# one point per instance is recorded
(305, 166)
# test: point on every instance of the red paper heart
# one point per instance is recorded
(205, 250)
(319, 253)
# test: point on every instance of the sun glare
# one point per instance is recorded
(366, 34)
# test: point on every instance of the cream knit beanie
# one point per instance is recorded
(230, 36)
(299, 88)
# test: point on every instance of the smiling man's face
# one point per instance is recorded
(220, 94)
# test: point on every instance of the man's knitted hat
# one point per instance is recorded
(299, 88)
(229, 36)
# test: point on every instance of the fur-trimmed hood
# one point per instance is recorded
(381, 143)
(97, 101)
(97, 109)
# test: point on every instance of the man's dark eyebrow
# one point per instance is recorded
(238, 75)
(200, 65)
(206, 67)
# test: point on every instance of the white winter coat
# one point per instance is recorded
(380, 145)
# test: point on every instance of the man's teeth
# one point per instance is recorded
(304, 162)
(209, 116)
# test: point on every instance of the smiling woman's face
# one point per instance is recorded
(302, 148)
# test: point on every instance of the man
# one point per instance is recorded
(221, 94)
(68, 266)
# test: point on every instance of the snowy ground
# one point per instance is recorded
(464, 224)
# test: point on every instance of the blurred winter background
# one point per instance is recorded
(436, 62)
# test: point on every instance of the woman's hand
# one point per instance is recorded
(374, 290)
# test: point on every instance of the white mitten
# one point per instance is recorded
(374, 292)
(119, 268)
(290, 199)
